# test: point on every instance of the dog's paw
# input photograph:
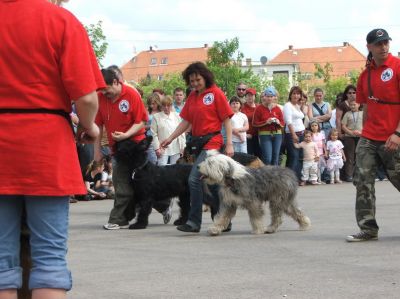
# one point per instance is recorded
(270, 230)
(138, 226)
(306, 223)
(214, 231)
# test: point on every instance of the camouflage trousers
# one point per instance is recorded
(369, 156)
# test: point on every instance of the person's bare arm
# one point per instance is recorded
(86, 109)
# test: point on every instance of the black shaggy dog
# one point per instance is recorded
(153, 183)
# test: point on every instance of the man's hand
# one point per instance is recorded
(118, 136)
(392, 144)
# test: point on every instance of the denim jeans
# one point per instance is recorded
(197, 193)
(295, 155)
(253, 146)
(270, 148)
(240, 147)
(47, 219)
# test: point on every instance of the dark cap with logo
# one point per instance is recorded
(377, 35)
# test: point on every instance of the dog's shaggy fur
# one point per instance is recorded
(153, 183)
(249, 189)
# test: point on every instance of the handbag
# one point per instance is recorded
(196, 143)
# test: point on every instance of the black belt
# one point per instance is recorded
(40, 110)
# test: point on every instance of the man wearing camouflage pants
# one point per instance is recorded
(378, 89)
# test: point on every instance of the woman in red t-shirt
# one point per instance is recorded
(248, 108)
(42, 71)
(205, 111)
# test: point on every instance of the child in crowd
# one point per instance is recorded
(310, 159)
(240, 125)
(352, 125)
(335, 155)
(93, 181)
(106, 177)
(318, 137)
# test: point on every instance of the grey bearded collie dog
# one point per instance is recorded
(249, 189)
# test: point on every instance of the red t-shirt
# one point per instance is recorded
(382, 119)
(206, 112)
(122, 114)
(249, 111)
(262, 113)
(46, 61)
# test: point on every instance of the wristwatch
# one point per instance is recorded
(397, 133)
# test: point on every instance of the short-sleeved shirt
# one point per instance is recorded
(382, 119)
(46, 61)
(122, 114)
(249, 111)
(353, 121)
(238, 121)
(334, 147)
(206, 112)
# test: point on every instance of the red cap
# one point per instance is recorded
(251, 90)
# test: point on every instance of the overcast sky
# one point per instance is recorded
(264, 28)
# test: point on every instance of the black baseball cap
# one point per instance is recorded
(377, 35)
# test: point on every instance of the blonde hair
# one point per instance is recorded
(58, 2)
(154, 97)
(166, 101)
(93, 165)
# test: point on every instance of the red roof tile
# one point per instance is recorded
(343, 59)
(176, 61)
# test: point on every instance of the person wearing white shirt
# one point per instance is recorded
(294, 130)
(162, 125)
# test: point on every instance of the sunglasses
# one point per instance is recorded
(241, 89)
(351, 92)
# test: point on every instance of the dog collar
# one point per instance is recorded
(139, 168)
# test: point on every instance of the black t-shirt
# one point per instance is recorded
(92, 181)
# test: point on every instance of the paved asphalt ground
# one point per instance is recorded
(161, 262)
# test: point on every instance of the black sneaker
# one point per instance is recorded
(361, 236)
(187, 228)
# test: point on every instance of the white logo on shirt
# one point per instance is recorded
(124, 106)
(387, 75)
(208, 99)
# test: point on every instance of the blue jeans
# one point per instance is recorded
(47, 219)
(197, 194)
(240, 147)
(270, 148)
(294, 155)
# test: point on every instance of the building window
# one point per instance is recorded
(160, 77)
(153, 61)
(164, 60)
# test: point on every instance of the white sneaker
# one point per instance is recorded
(114, 226)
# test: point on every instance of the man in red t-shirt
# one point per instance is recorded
(122, 113)
(378, 89)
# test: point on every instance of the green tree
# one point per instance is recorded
(281, 84)
(98, 40)
(224, 59)
(168, 84)
(323, 72)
